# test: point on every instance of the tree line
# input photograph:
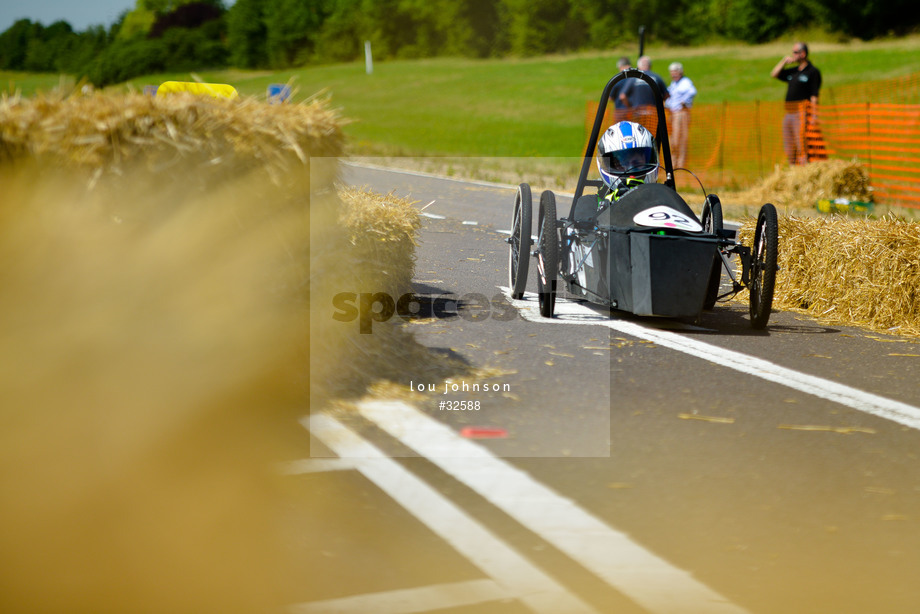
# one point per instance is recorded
(182, 35)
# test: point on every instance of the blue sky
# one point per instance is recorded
(78, 13)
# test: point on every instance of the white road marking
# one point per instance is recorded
(470, 223)
(377, 167)
(513, 574)
(433, 216)
(611, 555)
(569, 312)
(407, 601)
(315, 465)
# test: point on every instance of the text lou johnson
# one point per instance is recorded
(461, 386)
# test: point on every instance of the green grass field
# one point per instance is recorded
(29, 83)
(526, 107)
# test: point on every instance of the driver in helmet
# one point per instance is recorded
(626, 157)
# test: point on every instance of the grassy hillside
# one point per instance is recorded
(29, 83)
(526, 107)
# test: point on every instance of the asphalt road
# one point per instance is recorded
(624, 464)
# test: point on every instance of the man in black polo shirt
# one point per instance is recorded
(804, 81)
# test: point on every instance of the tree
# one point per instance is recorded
(756, 21)
(162, 7)
(292, 27)
(140, 21)
(191, 49)
(343, 32)
(480, 31)
(14, 44)
(124, 59)
(871, 18)
(136, 23)
(603, 24)
(424, 28)
(535, 26)
(190, 16)
(82, 50)
(281, 33)
(246, 34)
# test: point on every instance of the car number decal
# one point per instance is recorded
(666, 217)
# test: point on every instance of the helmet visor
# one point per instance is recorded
(634, 161)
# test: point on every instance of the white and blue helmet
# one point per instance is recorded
(627, 155)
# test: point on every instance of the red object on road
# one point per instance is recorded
(483, 432)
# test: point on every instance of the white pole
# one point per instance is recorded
(368, 60)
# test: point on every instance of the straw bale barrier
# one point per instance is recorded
(382, 234)
(803, 186)
(108, 132)
(851, 271)
(154, 277)
(384, 231)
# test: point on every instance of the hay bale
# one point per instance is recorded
(375, 255)
(801, 187)
(109, 133)
(852, 271)
(155, 347)
(145, 158)
(147, 369)
(384, 232)
(160, 361)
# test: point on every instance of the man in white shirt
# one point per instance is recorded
(682, 92)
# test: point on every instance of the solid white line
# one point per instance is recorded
(407, 601)
(574, 313)
(315, 465)
(611, 555)
(400, 171)
(513, 573)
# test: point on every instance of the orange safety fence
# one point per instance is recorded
(737, 144)
(885, 138)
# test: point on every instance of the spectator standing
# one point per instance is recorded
(622, 92)
(643, 98)
(680, 100)
(645, 65)
(804, 83)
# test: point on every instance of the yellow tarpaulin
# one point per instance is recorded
(217, 90)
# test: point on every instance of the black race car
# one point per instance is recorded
(647, 253)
